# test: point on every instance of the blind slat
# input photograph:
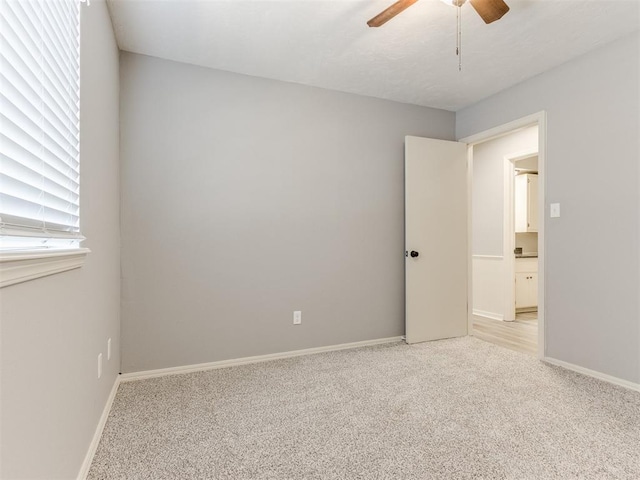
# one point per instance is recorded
(34, 178)
(24, 97)
(53, 63)
(63, 31)
(17, 120)
(12, 150)
(27, 99)
(39, 119)
(34, 211)
(28, 187)
(9, 226)
(30, 146)
(26, 71)
(22, 32)
(51, 139)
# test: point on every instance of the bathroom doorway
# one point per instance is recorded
(506, 298)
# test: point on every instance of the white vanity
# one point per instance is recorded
(526, 283)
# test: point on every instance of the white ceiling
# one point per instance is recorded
(411, 59)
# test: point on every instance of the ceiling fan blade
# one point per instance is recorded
(386, 15)
(490, 10)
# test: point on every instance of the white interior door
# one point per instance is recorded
(436, 239)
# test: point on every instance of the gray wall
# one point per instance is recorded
(592, 169)
(487, 216)
(244, 199)
(54, 328)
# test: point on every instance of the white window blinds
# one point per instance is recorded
(39, 123)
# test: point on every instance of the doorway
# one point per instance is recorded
(506, 249)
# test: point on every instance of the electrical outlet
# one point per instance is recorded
(554, 210)
(109, 349)
(99, 365)
(297, 317)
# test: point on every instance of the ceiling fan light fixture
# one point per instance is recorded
(454, 3)
(489, 11)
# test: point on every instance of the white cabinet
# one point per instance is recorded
(526, 203)
(526, 282)
(526, 290)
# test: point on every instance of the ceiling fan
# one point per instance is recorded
(489, 10)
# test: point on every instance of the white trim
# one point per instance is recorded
(469, 240)
(21, 266)
(95, 441)
(491, 315)
(542, 220)
(508, 239)
(592, 373)
(127, 377)
(522, 155)
(540, 119)
(488, 257)
(508, 231)
(505, 129)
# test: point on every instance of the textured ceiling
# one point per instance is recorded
(411, 59)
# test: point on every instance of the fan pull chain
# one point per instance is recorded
(459, 36)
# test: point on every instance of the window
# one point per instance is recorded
(39, 129)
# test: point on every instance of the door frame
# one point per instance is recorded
(540, 119)
(508, 229)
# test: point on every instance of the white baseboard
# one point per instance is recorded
(592, 373)
(93, 446)
(491, 315)
(127, 377)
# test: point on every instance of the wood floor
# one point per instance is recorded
(520, 335)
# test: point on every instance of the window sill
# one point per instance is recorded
(22, 266)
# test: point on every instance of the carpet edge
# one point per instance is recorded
(97, 435)
(145, 374)
(593, 373)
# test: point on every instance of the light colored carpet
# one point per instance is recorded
(456, 409)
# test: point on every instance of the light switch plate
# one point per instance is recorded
(554, 210)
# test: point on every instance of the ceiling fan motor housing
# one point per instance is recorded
(489, 10)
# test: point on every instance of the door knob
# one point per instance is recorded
(414, 254)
